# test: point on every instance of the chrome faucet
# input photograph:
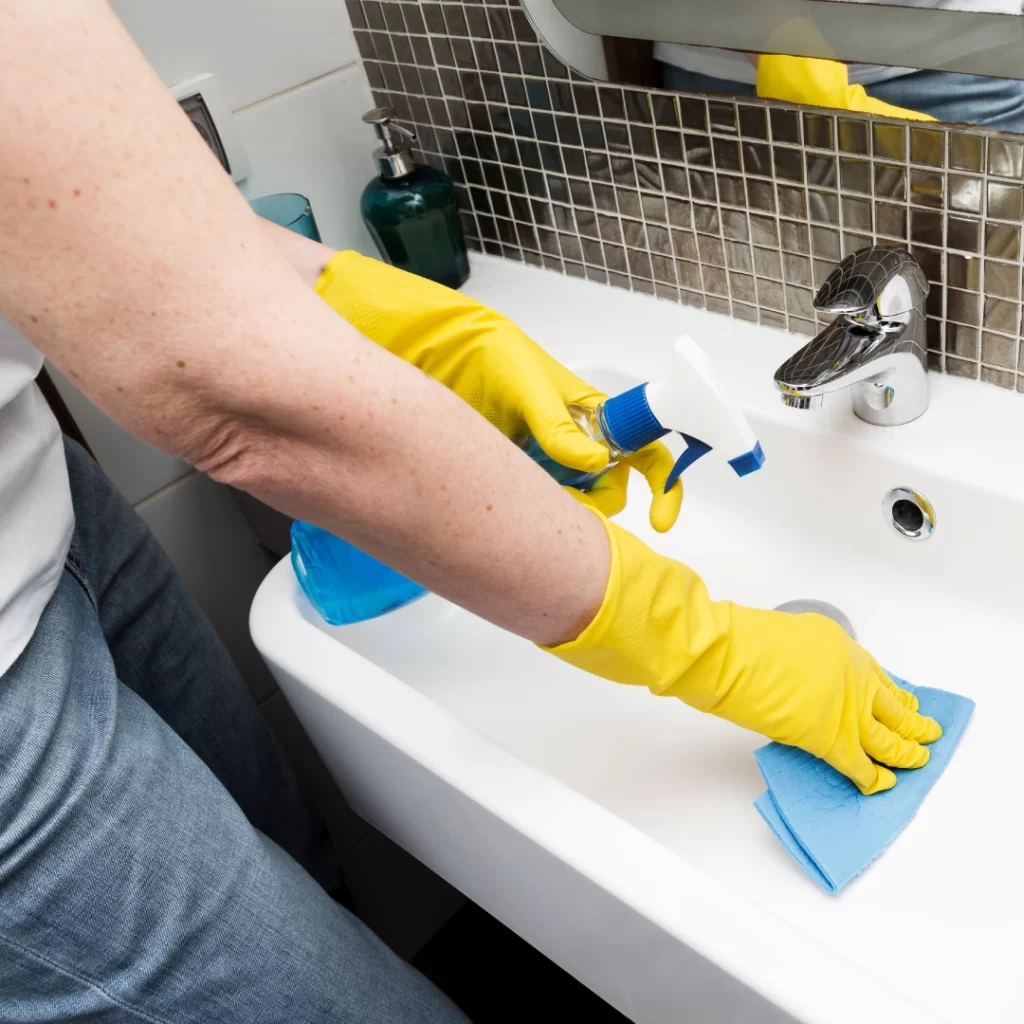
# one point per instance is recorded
(876, 346)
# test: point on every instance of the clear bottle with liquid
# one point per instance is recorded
(344, 584)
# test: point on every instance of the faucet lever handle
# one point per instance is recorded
(873, 284)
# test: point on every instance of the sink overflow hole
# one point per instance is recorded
(909, 513)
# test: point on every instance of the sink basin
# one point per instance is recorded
(616, 831)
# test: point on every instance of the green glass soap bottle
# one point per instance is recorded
(411, 210)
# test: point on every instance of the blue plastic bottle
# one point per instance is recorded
(342, 583)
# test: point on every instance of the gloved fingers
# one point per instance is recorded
(655, 462)
(893, 714)
(887, 747)
(908, 700)
(867, 776)
(550, 423)
(608, 495)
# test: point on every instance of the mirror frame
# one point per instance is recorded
(941, 39)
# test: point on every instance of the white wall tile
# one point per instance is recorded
(311, 140)
(256, 48)
(200, 526)
(137, 469)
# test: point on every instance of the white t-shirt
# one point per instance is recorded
(734, 67)
(36, 518)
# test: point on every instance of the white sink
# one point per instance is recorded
(615, 831)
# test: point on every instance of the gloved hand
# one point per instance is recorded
(491, 364)
(798, 679)
(821, 83)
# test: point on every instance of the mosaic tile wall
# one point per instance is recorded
(741, 207)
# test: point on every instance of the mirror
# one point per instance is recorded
(954, 61)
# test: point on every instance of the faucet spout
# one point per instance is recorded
(876, 346)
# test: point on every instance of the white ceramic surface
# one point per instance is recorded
(616, 831)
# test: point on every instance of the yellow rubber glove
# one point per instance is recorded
(491, 364)
(798, 679)
(820, 83)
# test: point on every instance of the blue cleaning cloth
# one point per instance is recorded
(831, 830)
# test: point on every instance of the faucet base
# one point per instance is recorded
(891, 399)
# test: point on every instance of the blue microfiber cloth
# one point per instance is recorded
(831, 830)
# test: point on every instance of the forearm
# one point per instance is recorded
(129, 258)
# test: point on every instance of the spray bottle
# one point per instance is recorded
(687, 401)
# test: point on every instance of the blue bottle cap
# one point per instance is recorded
(629, 422)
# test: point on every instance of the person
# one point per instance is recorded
(156, 860)
(896, 91)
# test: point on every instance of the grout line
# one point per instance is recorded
(296, 88)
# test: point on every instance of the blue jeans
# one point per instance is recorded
(974, 99)
(157, 861)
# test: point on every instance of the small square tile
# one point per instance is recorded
(964, 234)
(697, 149)
(689, 275)
(638, 107)
(609, 228)
(618, 280)
(1002, 241)
(788, 164)
(722, 116)
(613, 105)
(734, 225)
(823, 207)
(963, 272)
(684, 245)
(711, 250)
(597, 274)
(680, 214)
(825, 243)
(822, 270)
(615, 258)
(771, 294)
(1001, 378)
(855, 175)
(853, 136)
(819, 131)
(693, 112)
(961, 368)
(785, 126)
(799, 302)
(856, 213)
(997, 350)
(663, 268)
(742, 287)
(571, 248)
(1005, 202)
(702, 186)
(930, 261)
(1005, 158)
(964, 193)
(643, 140)
(851, 242)
(927, 146)
(1001, 315)
(737, 257)
(676, 180)
(641, 285)
(768, 263)
(753, 122)
(717, 305)
(763, 230)
(926, 227)
(795, 236)
(890, 181)
(768, 318)
(927, 188)
(658, 239)
(649, 175)
(666, 114)
(624, 172)
(730, 190)
(1002, 280)
(821, 169)
(666, 290)
(585, 96)
(670, 144)
(792, 201)
(653, 208)
(757, 159)
(586, 223)
(744, 312)
(706, 219)
(688, 298)
(966, 152)
(716, 280)
(963, 307)
(727, 154)
(761, 195)
(796, 269)
(889, 140)
(962, 341)
(633, 234)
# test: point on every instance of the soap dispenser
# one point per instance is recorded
(411, 210)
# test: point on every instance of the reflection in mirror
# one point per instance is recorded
(776, 72)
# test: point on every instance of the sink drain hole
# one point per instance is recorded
(909, 513)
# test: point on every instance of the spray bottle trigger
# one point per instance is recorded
(695, 448)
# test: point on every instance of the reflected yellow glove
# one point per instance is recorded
(820, 83)
(798, 679)
(491, 364)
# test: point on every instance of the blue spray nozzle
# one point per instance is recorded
(695, 449)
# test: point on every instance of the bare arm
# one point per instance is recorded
(221, 354)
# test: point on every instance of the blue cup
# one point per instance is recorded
(289, 210)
